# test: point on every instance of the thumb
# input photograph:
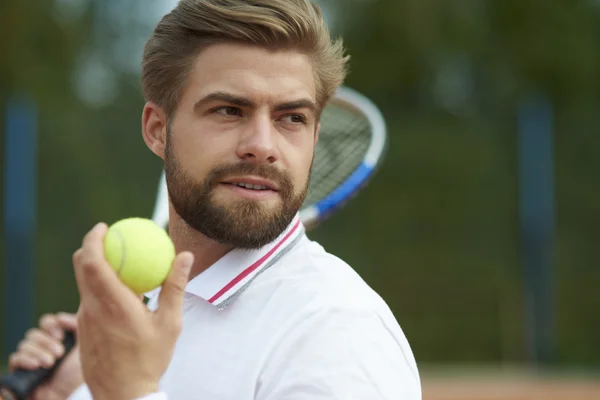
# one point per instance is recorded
(170, 299)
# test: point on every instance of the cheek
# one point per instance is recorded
(299, 163)
(199, 147)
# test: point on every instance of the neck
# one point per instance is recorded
(206, 251)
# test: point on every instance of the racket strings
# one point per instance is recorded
(344, 139)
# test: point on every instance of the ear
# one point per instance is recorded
(154, 128)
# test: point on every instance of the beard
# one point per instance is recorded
(244, 223)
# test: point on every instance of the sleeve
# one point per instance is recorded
(341, 354)
(154, 396)
(83, 393)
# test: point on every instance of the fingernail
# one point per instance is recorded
(98, 227)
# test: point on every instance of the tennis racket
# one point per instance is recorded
(351, 146)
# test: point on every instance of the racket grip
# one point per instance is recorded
(21, 383)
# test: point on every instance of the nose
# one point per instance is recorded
(257, 143)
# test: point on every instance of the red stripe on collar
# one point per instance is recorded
(254, 266)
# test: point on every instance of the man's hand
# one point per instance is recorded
(125, 348)
(41, 347)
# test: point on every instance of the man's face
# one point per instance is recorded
(240, 146)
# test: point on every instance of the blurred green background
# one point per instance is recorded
(437, 231)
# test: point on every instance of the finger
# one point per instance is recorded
(96, 279)
(44, 341)
(77, 260)
(93, 241)
(84, 258)
(33, 350)
(49, 323)
(170, 299)
(23, 361)
(67, 322)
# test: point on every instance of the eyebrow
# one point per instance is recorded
(293, 105)
(243, 102)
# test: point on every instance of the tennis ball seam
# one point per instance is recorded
(122, 242)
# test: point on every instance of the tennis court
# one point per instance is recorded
(512, 384)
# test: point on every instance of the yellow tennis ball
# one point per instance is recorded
(140, 252)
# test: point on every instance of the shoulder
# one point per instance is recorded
(322, 280)
(339, 339)
(327, 305)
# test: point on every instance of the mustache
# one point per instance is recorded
(264, 171)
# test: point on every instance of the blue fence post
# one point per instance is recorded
(20, 219)
(537, 224)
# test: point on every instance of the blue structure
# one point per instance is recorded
(20, 171)
(537, 219)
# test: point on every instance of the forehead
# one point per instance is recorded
(253, 72)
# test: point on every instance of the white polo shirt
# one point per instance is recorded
(286, 322)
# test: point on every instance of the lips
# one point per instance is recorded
(251, 183)
(250, 186)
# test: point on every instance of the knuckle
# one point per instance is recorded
(34, 337)
(47, 320)
(85, 309)
(77, 255)
(174, 326)
(87, 266)
(22, 346)
(65, 315)
(115, 309)
(30, 333)
(13, 359)
(177, 287)
(37, 336)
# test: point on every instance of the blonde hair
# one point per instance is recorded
(181, 35)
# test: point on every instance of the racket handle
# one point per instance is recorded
(21, 383)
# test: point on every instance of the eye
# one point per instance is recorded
(229, 111)
(295, 119)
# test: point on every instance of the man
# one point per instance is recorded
(252, 308)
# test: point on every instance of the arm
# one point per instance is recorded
(341, 354)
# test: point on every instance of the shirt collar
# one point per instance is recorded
(223, 281)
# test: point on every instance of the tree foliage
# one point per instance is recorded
(436, 233)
